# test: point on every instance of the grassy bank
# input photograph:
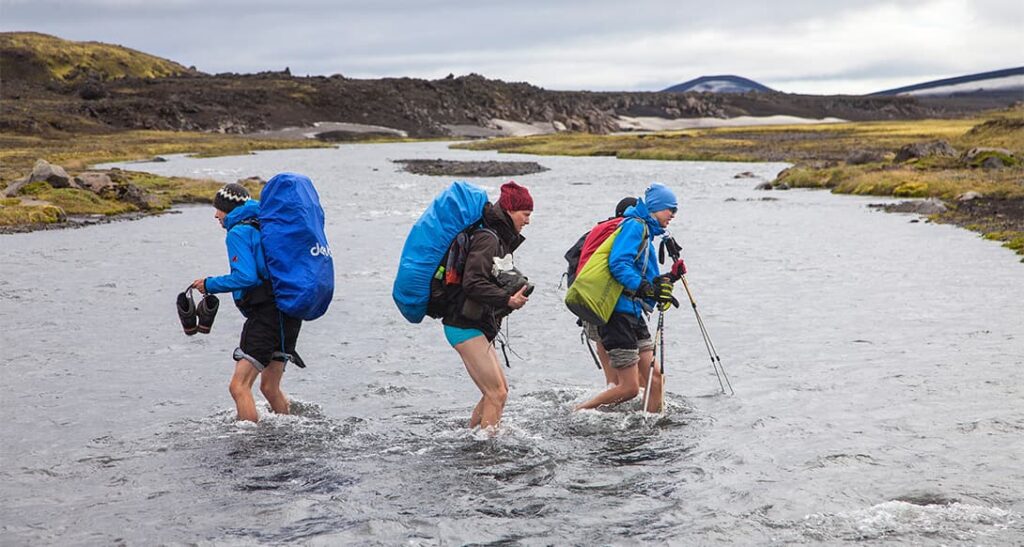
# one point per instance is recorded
(847, 158)
(38, 203)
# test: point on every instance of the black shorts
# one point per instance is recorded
(624, 337)
(261, 340)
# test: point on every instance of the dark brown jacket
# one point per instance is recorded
(481, 303)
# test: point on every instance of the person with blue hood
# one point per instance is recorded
(268, 337)
(634, 263)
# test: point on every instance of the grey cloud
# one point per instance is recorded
(540, 41)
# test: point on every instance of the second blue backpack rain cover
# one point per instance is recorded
(453, 210)
(295, 245)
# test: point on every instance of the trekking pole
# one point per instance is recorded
(716, 361)
(659, 339)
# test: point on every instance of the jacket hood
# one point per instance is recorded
(245, 211)
(640, 211)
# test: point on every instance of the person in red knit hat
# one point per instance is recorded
(474, 318)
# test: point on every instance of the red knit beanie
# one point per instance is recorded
(515, 197)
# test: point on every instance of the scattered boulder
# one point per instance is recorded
(993, 162)
(989, 158)
(862, 156)
(928, 206)
(979, 153)
(130, 193)
(925, 150)
(13, 188)
(94, 182)
(764, 186)
(92, 90)
(968, 196)
(54, 175)
(744, 175)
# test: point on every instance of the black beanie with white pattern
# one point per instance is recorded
(230, 196)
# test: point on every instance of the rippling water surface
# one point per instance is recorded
(878, 369)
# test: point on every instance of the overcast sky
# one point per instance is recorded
(799, 46)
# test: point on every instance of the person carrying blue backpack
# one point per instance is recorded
(267, 342)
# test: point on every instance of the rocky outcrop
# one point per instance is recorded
(238, 103)
(863, 156)
(95, 182)
(930, 206)
(928, 149)
(989, 158)
(43, 171)
(452, 168)
(130, 193)
(54, 175)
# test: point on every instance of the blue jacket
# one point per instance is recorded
(625, 267)
(245, 254)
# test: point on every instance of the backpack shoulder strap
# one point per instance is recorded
(252, 222)
(642, 248)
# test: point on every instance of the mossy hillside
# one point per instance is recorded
(946, 184)
(36, 56)
(793, 143)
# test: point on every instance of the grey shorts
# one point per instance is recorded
(591, 331)
(625, 337)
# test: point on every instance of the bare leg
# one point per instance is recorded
(627, 385)
(483, 367)
(654, 398)
(474, 419)
(606, 364)
(270, 385)
(241, 390)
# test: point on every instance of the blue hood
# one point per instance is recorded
(640, 211)
(245, 211)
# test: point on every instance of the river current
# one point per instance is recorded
(878, 366)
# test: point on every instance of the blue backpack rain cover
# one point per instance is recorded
(456, 208)
(296, 248)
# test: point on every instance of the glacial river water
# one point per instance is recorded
(878, 366)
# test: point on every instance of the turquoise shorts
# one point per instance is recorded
(456, 336)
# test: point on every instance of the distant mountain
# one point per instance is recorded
(32, 56)
(1007, 81)
(718, 84)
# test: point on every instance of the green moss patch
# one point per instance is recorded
(14, 215)
(84, 202)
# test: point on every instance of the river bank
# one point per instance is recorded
(975, 160)
(47, 183)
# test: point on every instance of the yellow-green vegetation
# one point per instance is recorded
(18, 153)
(32, 55)
(171, 190)
(12, 213)
(792, 143)
(83, 202)
(906, 182)
(1010, 238)
(44, 204)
